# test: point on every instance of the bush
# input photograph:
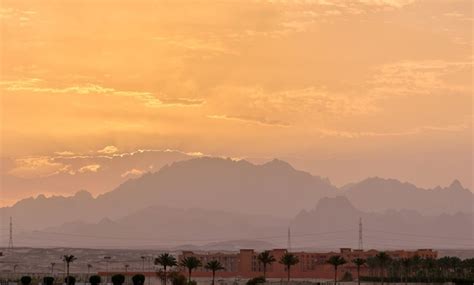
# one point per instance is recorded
(72, 280)
(95, 279)
(177, 278)
(192, 282)
(461, 281)
(25, 280)
(347, 276)
(48, 280)
(138, 279)
(118, 279)
(256, 280)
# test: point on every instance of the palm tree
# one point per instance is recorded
(68, 259)
(406, 264)
(415, 264)
(265, 258)
(336, 261)
(166, 260)
(289, 259)
(214, 266)
(359, 262)
(383, 259)
(190, 263)
(372, 264)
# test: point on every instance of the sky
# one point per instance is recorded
(343, 89)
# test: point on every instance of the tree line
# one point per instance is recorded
(380, 268)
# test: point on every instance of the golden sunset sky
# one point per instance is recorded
(341, 88)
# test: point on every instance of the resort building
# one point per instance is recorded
(245, 264)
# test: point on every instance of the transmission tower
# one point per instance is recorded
(10, 241)
(360, 234)
(289, 239)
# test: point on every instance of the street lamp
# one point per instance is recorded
(89, 266)
(126, 275)
(14, 270)
(52, 268)
(107, 258)
(143, 264)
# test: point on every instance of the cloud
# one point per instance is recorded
(37, 166)
(64, 153)
(412, 131)
(151, 100)
(182, 101)
(286, 107)
(420, 78)
(89, 168)
(258, 121)
(110, 149)
(132, 173)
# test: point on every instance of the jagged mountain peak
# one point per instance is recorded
(456, 185)
(278, 164)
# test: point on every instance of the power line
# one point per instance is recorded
(420, 235)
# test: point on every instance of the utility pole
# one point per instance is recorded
(10, 241)
(289, 240)
(360, 234)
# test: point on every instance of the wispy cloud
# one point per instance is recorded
(419, 78)
(110, 149)
(37, 86)
(132, 173)
(37, 166)
(89, 168)
(413, 131)
(258, 121)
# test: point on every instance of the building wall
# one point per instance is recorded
(244, 264)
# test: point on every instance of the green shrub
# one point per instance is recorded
(48, 280)
(256, 280)
(95, 279)
(177, 278)
(347, 276)
(138, 279)
(25, 280)
(72, 280)
(118, 279)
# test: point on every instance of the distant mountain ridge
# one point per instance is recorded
(274, 188)
(332, 223)
(335, 221)
(379, 194)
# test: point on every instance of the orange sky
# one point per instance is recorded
(344, 89)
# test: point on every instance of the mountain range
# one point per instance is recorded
(243, 201)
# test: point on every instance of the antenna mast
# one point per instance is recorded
(289, 239)
(10, 241)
